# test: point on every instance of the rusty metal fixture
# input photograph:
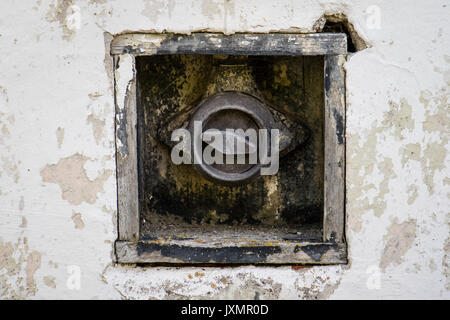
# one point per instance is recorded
(230, 110)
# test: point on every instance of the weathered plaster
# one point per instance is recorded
(97, 127)
(57, 150)
(33, 263)
(71, 176)
(59, 136)
(77, 220)
(58, 13)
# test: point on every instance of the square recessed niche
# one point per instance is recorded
(170, 213)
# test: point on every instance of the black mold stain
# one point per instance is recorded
(205, 255)
(339, 126)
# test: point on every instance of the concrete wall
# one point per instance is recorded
(57, 167)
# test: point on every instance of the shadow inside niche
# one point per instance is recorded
(331, 23)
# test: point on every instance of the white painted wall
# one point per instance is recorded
(57, 182)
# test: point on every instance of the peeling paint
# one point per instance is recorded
(431, 159)
(124, 74)
(21, 203)
(399, 239)
(212, 8)
(98, 127)
(59, 136)
(397, 125)
(10, 167)
(17, 269)
(437, 115)
(71, 177)
(77, 221)
(446, 263)
(59, 13)
(49, 281)
(399, 118)
(359, 165)
(386, 169)
(412, 193)
(24, 223)
(108, 60)
(153, 8)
